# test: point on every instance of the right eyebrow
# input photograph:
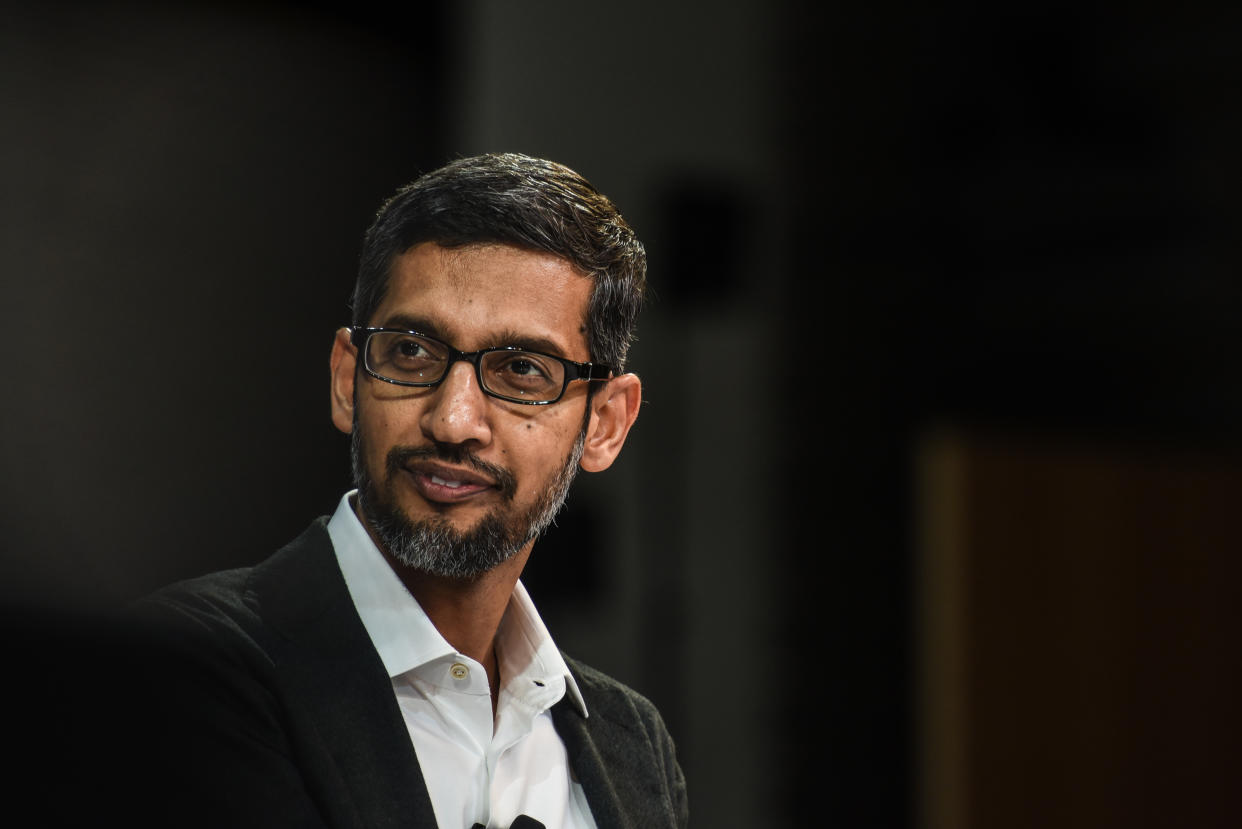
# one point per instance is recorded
(406, 322)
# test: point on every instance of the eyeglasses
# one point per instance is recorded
(407, 358)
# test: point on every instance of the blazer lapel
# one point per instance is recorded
(616, 773)
(337, 689)
(588, 765)
(621, 754)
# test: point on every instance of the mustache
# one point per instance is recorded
(400, 456)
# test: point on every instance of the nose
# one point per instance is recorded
(458, 410)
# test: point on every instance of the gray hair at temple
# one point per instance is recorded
(527, 202)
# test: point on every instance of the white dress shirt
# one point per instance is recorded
(477, 770)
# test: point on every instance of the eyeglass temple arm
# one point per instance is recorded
(594, 371)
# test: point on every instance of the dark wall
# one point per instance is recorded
(1019, 221)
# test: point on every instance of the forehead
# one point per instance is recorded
(478, 295)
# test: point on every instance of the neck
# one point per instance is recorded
(468, 613)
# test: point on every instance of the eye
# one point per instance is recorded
(522, 366)
(523, 374)
(405, 357)
(407, 351)
(410, 349)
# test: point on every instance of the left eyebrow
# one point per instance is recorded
(513, 339)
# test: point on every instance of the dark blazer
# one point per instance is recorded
(265, 704)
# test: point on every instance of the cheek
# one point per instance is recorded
(378, 437)
(385, 424)
(538, 449)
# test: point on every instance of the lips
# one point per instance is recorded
(445, 484)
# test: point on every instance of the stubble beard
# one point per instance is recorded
(433, 545)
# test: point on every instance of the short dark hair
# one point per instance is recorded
(527, 202)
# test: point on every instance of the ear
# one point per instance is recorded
(343, 366)
(613, 410)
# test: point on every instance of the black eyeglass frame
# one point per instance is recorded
(360, 335)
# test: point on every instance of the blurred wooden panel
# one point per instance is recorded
(1080, 607)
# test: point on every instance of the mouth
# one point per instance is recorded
(444, 484)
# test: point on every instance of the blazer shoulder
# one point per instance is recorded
(260, 680)
(234, 601)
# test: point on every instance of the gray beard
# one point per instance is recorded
(433, 545)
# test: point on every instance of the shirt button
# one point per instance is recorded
(459, 671)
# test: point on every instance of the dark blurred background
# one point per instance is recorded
(929, 517)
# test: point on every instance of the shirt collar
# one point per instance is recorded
(403, 634)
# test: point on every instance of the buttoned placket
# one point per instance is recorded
(457, 688)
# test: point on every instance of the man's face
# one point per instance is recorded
(453, 481)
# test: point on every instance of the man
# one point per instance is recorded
(387, 668)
